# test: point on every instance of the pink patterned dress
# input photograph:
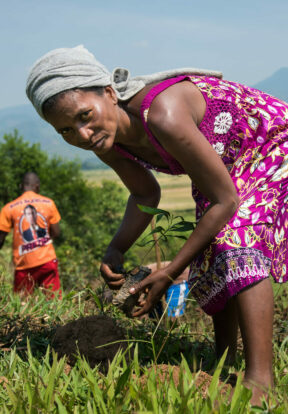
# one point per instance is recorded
(248, 129)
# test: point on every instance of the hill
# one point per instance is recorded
(34, 129)
(276, 85)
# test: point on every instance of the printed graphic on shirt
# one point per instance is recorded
(31, 216)
(33, 229)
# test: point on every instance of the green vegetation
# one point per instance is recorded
(33, 380)
(176, 197)
(90, 216)
(176, 190)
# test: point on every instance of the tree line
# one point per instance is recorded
(89, 215)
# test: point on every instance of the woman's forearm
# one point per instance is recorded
(134, 222)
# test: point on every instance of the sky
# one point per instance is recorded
(245, 39)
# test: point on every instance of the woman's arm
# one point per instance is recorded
(172, 121)
(145, 190)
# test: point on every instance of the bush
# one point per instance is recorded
(89, 216)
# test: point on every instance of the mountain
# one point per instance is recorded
(33, 129)
(276, 85)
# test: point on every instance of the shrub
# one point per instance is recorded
(89, 215)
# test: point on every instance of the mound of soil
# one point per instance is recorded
(202, 379)
(86, 336)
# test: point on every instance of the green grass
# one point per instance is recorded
(35, 386)
(32, 380)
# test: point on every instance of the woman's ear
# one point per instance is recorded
(110, 92)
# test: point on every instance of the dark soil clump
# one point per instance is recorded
(85, 335)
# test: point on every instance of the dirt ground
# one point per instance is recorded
(202, 379)
(87, 336)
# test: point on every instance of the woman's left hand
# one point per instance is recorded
(157, 283)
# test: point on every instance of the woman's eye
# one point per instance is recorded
(85, 115)
(64, 132)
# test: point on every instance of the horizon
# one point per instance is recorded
(28, 103)
(34, 129)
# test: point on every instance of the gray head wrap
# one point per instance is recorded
(69, 68)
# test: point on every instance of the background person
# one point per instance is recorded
(35, 221)
(231, 140)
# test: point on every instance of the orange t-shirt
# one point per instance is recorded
(30, 216)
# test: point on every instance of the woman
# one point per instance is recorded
(229, 139)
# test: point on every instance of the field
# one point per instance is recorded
(175, 198)
(80, 354)
(176, 190)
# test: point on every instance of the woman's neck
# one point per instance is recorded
(130, 125)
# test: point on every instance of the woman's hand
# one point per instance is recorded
(112, 268)
(157, 283)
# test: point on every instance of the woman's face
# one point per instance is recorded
(85, 119)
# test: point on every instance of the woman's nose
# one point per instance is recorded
(85, 133)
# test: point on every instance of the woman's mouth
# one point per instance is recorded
(98, 144)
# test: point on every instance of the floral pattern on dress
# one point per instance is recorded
(254, 149)
(222, 123)
(219, 148)
(258, 166)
